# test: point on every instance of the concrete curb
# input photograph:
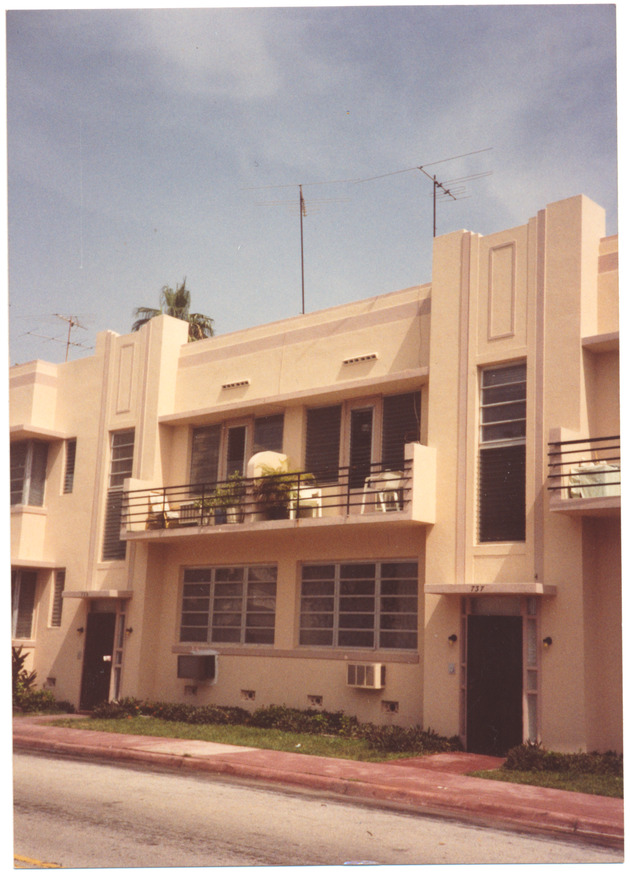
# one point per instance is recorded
(492, 807)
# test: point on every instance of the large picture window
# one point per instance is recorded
(502, 454)
(369, 605)
(229, 605)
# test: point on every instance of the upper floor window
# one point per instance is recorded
(229, 605)
(222, 449)
(120, 467)
(502, 453)
(23, 585)
(68, 475)
(28, 472)
(361, 434)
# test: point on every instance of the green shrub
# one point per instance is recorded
(22, 680)
(310, 721)
(128, 707)
(407, 739)
(532, 757)
(390, 739)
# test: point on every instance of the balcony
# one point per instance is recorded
(284, 500)
(585, 475)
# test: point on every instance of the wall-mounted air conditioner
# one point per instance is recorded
(198, 666)
(366, 676)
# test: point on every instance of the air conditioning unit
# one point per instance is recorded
(366, 676)
(200, 666)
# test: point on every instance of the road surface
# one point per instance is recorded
(78, 814)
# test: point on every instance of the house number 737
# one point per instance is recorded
(477, 588)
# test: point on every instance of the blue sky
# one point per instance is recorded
(141, 144)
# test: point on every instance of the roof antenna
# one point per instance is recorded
(73, 322)
(302, 208)
(457, 188)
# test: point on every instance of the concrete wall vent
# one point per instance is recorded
(236, 385)
(356, 359)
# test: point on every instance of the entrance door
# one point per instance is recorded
(494, 713)
(97, 659)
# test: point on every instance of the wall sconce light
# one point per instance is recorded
(547, 642)
(80, 630)
(129, 630)
(452, 639)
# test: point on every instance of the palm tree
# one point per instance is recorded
(176, 303)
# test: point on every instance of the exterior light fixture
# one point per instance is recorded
(129, 630)
(547, 642)
(80, 630)
(452, 639)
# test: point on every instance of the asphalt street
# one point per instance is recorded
(77, 814)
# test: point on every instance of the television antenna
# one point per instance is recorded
(302, 210)
(453, 189)
(73, 322)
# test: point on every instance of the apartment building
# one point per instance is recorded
(406, 508)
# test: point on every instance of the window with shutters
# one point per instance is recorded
(370, 605)
(229, 605)
(502, 454)
(120, 467)
(57, 600)
(323, 441)
(221, 449)
(68, 476)
(23, 586)
(395, 418)
(401, 425)
(28, 472)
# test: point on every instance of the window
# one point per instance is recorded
(370, 605)
(57, 601)
(28, 472)
(401, 425)
(323, 440)
(23, 585)
(120, 467)
(502, 454)
(68, 477)
(396, 420)
(229, 605)
(220, 450)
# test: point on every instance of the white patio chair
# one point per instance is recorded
(385, 489)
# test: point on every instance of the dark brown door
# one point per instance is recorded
(494, 714)
(97, 659)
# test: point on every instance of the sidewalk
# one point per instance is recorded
(435, 784)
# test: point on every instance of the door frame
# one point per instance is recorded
(117, 607)
(529, 611)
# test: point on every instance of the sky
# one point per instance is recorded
(147, 146)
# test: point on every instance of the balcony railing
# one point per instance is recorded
(292, 496)
(586, 468)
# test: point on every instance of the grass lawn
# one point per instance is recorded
(245, 736)
(599, 785)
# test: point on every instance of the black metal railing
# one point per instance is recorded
(269, 496)
(586, 467)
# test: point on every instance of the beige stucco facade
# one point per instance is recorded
(542, 298)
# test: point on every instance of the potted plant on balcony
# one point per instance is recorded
(227, 500)
(273, 491)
